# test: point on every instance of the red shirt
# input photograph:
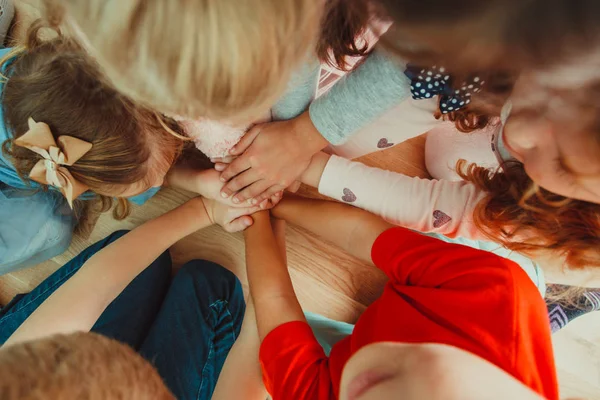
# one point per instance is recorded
(437, 293)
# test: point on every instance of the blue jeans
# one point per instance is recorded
(185, 326)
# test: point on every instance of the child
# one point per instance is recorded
(553, 127)
(438, 299)
(446, 344)
(126, 149)
(121, 288)
(245, 91)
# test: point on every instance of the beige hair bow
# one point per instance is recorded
(57, 155)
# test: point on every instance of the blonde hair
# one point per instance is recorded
(77, 366)
(220, 59)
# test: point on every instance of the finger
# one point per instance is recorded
(251, 191)
(239, 224)
(222, 160)
(235, 168)
(265, 205)
(238, 183)
(267, 194)
(221, 166)
(246, 141)
(294, 187)
(235, 213)
(276, 198)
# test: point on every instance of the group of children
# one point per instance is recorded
(102, 101)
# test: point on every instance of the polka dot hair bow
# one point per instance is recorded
(435, 81)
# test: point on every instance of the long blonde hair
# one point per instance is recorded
(224, 59)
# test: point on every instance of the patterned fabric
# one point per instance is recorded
(429, 82)
(564, 311)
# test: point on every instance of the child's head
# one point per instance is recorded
(224, 60)
(57, 84)
(77, 366)
(549, 50)
(383, 371)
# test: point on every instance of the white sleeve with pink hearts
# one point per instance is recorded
(424, 205)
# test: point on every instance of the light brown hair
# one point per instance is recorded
(77, 366)
(55, 82)
(225, 59)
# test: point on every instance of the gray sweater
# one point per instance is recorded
(358, 99)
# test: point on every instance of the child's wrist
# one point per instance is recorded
(206, 209)
(314, 172)
(308, 134)
(201, 186)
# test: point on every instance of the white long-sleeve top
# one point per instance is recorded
(440, 207)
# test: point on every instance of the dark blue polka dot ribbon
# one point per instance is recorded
(435, 81)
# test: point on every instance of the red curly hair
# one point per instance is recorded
(526, 218)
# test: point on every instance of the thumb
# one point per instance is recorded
(246, 141)
(239, 224)
(294, 187)
(240, 212)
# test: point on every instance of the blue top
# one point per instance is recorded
(8, 173)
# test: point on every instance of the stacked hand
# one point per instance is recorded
(212, 185)
(229, 218)
(270, 158)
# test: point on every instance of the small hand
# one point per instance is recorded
(271, 157)
(211, 188)
(229, 218)
(210, 185)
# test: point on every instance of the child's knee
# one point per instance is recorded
(212, 279)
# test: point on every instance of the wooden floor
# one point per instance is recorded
(327, 280)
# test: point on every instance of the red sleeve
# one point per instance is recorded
(409, 258)
(294, 364)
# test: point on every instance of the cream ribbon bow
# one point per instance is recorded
(57, 155)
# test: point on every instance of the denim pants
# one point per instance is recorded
(184, 326)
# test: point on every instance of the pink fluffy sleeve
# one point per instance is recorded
(424, 205)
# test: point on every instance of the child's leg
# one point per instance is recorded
(140, 300)
(196, 327)
(409, 119)
(34, 228)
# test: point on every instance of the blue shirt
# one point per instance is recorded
(8, 173)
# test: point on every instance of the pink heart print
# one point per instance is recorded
(384, 144)
(440, 218)
(349, 196)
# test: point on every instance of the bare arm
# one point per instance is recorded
(270, 283)
(204, 182)
(241, 376)
(350, 228)
(106, 274)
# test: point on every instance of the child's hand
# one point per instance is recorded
(270, 158)
(210, 187)
(229, 218)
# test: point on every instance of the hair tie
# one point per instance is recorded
(57, 155)
(429, 82)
